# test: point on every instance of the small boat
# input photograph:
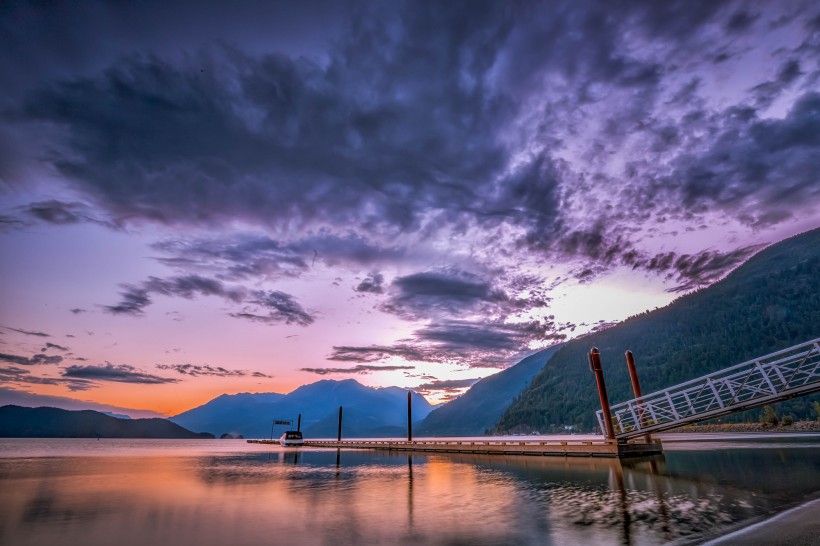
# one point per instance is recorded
(291, 438)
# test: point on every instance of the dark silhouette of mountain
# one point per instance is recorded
(368, 412)
(11, 397)
(231, 413)
(19, 422)
(769, 303)
(478, 410)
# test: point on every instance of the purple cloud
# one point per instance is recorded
(120, 373)
(197, 370)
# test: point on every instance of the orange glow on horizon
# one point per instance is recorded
(168, 399)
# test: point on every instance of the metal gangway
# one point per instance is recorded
(785, 374)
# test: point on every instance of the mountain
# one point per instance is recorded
(13, 397)
(769, 303)
(19, 422)
(231, 413)
(368, 412)
(479, 409)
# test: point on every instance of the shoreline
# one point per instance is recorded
(795, 526)
(799, 426)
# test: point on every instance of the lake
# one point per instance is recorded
(213, 492)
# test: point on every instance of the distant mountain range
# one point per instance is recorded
(19, 422)
(479, 409)
(368, 412)
(14, 397)
(769, 303)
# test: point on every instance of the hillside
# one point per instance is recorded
(19, 422)
(228, 412)
(769, 303)
(479, 409)
(368, 412)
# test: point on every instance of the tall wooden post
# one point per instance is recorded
(595, 365)
(636, 389)
(409, 416)
(339, 438)
(299, 422)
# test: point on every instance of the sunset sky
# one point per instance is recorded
(203, 197)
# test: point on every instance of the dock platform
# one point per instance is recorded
(549, 448)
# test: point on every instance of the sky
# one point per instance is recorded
(209, 197)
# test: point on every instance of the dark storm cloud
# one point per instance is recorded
(458, 335)
(54, 212)
(120, 373)
(741, 21)
(766, 93)
(499, 125)
(351, 141)
(323, 127)
(470, 321)
(426, 294)
(485, 343)
(34, 360)
(447, 385)
(136, 298)
(26, 332)
(446, 389)
(374, 353)
(688, 271)
(279, 306)
(79, 385)
(258, 306)
(18, 375)
(192, 285)
(133, 301)
(373, 284)
(197, 370)
(478, 344)
(170, 135)
(247, 256)
(54, 346)
(753, 162)
(61, 213)
(361, 369)
(7, 223)
(695, 271)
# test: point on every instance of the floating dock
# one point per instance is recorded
(548, 448)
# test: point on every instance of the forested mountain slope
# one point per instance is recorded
(769, 303)
(478, 410)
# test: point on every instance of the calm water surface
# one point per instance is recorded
(169, 492)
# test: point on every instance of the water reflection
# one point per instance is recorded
(357, 497)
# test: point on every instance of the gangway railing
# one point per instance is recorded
(771, 378)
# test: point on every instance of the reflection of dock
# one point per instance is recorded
(555, 448)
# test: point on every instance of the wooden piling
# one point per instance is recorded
(409, 416)
(636, 389)
(595, 366)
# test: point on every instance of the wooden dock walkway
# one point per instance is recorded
(549, 448)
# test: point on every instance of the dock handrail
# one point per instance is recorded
(754, 383)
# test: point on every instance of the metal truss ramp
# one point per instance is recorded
(785, 374)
